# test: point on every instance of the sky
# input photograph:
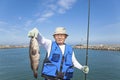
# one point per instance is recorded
(18, 17)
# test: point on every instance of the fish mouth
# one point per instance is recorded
(36, 75)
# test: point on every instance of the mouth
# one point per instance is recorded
(59, 40)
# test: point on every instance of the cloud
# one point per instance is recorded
(48, 14)
(41, 19)
(19, 18)
(65, 5)
(3, 23)
(28, 23)
(45, 16)
(52, 7)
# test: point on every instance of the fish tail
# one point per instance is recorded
(35, 74)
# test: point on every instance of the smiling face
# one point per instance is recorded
(60, 38)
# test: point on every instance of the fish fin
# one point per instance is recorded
(31, 67)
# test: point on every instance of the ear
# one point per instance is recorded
(66, 36)
(54, 36)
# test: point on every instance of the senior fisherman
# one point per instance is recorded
(60, 59)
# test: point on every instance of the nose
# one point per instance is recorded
(59, 35)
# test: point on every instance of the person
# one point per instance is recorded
(60, 59)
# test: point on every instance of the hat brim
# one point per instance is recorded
(60, 33)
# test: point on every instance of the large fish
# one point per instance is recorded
(34, 55)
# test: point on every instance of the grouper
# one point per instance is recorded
(34, 55)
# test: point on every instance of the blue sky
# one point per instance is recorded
(17, 17)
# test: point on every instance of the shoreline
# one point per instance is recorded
(93, 47)
(99, 47)
(13, 46)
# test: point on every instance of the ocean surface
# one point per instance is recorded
(104, 65)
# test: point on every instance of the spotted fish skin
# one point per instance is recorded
(34, 55)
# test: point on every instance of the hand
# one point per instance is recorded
(85, 69)
(33, 33)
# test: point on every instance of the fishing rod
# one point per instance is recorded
(86, 63)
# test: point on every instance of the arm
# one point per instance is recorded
(75, 62)
(46, 43)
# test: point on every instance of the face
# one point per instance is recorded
(60, 38)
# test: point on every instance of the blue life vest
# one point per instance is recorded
(57, 65)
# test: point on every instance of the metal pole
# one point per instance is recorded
(87, 36)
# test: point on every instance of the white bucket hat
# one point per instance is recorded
(60, 30)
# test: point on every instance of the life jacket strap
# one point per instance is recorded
(61, 66)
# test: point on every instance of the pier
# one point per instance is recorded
(99, 47)
(12, 46)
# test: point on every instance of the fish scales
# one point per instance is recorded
(34, 55)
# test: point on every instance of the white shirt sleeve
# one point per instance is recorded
(46, 43)
(75, 62)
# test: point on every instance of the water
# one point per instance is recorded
(104, 65)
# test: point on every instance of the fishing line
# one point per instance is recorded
(86, 63)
